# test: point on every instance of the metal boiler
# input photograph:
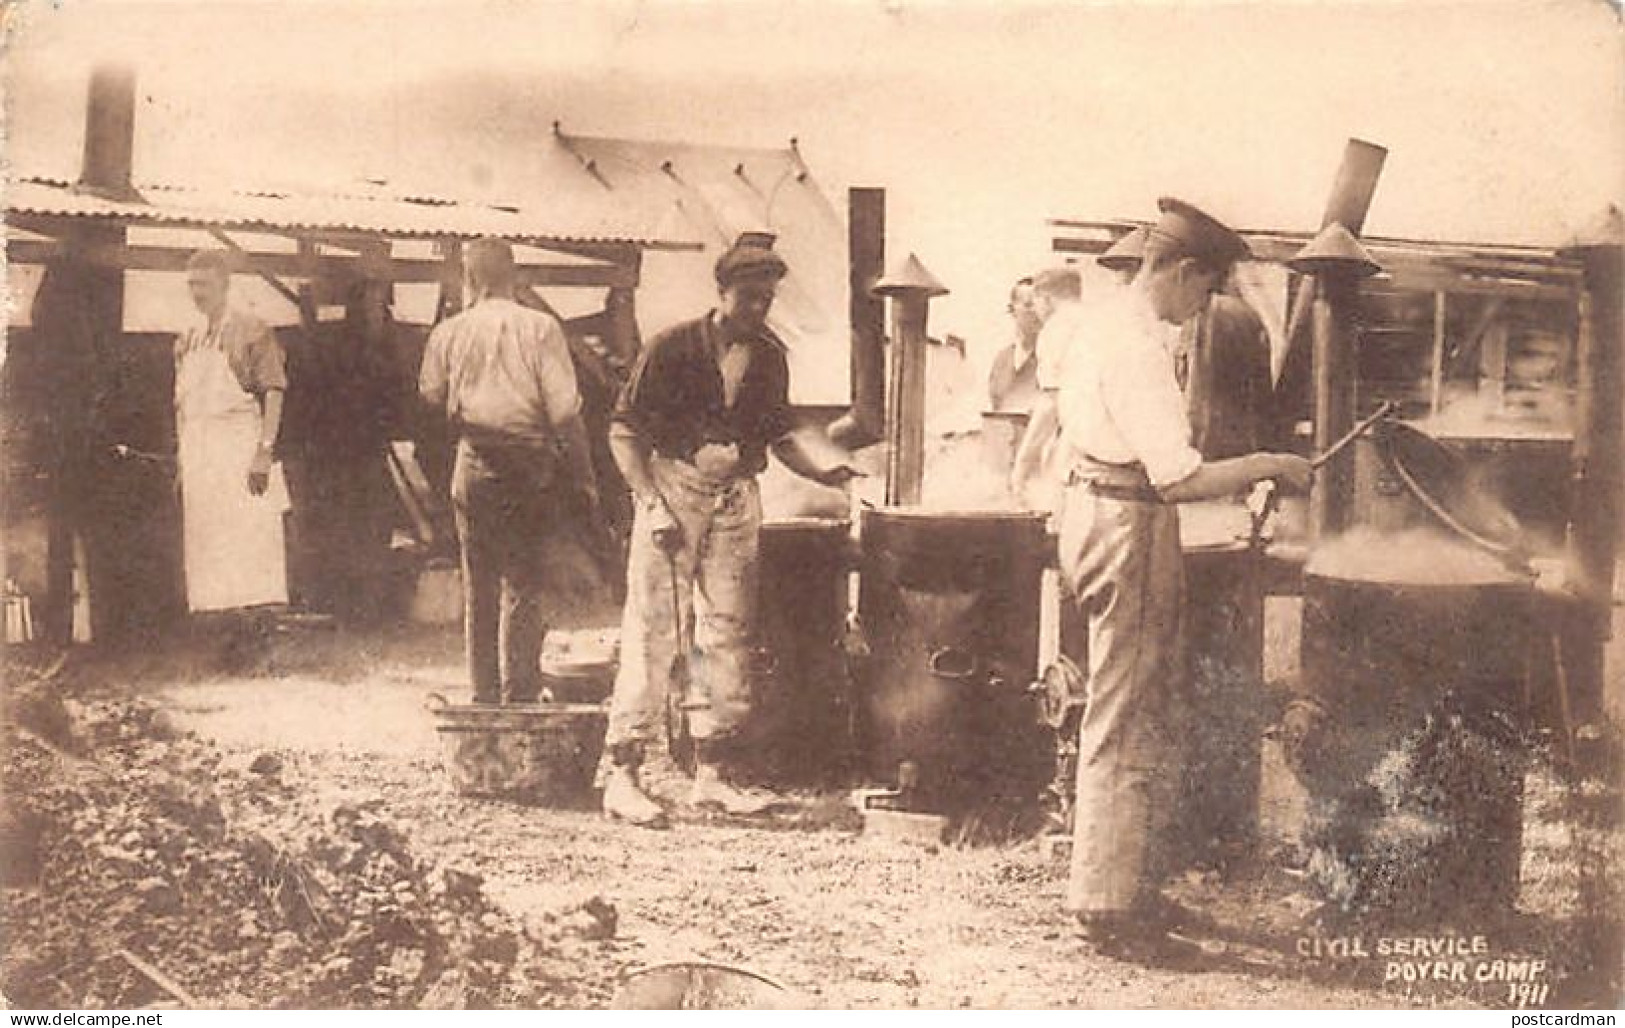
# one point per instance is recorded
(800, 729)
(1408, 734)
(949, 607)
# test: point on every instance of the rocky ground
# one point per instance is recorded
(279, 832)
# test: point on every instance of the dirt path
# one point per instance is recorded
(847, 920)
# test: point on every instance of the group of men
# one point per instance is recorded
(705, 404)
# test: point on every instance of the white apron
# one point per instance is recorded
(232, 539)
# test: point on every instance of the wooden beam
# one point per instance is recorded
(401, 269)
(288, 292)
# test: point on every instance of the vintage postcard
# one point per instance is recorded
(772, 504)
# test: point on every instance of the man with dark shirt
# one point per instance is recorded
(706, 401)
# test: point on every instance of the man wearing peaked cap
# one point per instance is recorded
(1126, 439)
(1197, 235)
(707, 401)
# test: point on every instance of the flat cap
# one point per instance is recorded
(1195, 233)
(1126, 253)
(752, 255)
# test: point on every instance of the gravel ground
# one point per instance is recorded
(842, 919)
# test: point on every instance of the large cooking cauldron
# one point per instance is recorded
(949, 605)
(1415, 769)
(1408, 734)
(800, 729)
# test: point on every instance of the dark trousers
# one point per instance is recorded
(504, 500)
(343, 506)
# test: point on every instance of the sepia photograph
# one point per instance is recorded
(791, 505)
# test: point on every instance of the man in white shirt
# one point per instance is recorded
(1126, 441)
(1058, 302)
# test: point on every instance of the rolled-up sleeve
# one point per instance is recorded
(639, 406)
(257, 358)
(556, 373)
(1143, 398)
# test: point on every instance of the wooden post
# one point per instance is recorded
(866, 249)
(451, 282)
(621, 336)
(1599, 435)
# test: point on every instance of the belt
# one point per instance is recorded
(1125, 482)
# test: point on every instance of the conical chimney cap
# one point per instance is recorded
(1334, 249)
(908, 276)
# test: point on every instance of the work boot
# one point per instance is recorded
(711, 790)
(625, 800)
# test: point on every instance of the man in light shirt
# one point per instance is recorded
(502, 375)
(1058, 303)
(1126, 441)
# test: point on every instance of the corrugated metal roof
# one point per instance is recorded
(604, 221)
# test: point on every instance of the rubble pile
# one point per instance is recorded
(145, 869)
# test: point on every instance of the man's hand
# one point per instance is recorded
(663, 526)
(717, 460)
(1292, 471)
(259, 471)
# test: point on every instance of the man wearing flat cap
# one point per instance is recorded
(705, 403)
(1126, 439)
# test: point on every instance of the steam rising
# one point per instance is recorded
(1412, 557)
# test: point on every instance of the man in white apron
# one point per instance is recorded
(229, 384)
(1127, 440)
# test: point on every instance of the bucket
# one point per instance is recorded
(578, 666)
(539, 753)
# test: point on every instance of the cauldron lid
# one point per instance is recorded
(1438, 477)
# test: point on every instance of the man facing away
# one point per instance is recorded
(230, 379)
(707, 400)
(1126, 439)
(522, 472)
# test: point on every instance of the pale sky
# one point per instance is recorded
(1503, 120)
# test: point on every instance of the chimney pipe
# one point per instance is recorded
(864, 423)
(109, 134)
